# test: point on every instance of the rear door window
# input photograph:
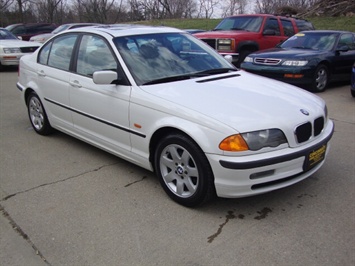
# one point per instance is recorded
(273, 24)
(288, 27)
(58, 53)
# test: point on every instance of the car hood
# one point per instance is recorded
(240, 100)
(225, 34)
(288, 53)
(41, 36)
(18, 43)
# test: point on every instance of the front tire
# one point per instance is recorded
(184, 171)
(37, 115)
(321, 78)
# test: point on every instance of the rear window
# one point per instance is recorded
(303, 25)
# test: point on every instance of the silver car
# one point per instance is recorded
(41, 38)
(12, 49)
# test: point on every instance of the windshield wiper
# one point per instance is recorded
(167, 79)
(215, 71)
(204, 73)
(302, 47)
(239, 29)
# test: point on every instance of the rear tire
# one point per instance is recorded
(184, 171)
(37, 115)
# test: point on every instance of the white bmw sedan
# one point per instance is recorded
(164, 100)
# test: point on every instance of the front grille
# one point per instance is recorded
(305, 131)
(28, 49)
(211, 42)
(318, 126)
(267, 61)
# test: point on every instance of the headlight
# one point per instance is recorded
(295, 63)
(225, 44)
(253, 141)
(248, 59)
(11, 50)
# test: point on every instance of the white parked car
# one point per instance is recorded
(164, 100)
(11, 48)
(41, 38)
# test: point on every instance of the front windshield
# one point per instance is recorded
(164, 56)
(323, 41)
(60, 28)
(10, 27)
(246, 23)
(6, 35)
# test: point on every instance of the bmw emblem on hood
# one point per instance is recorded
(304, 111)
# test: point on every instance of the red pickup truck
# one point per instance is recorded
(241, 35)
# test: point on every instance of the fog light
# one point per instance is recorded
(262, 174)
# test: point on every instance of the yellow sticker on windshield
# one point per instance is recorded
(300, 34)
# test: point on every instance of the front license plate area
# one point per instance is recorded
(314, 157)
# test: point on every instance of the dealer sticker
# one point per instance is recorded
(315, 156)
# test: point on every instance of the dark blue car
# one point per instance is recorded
(309, 59)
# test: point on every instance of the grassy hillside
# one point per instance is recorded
(321, 23)
(334, 23)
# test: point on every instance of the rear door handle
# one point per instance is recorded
(41, 73)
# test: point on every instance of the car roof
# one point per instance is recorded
(268, 15)
(118, 30)
(80, 23)
(325, 31)
(257, 15)
(31, 24)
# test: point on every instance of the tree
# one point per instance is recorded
(233, 7)
(206, 8)
(4, 5)
(99, 11)
(274, 6)
(50, 10)
(23, 7)
(330, 8)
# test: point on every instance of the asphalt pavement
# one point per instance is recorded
(64, 202)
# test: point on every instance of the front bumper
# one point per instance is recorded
(10, 59)
(278, 73)
(251, 175)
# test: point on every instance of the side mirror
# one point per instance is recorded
(343, 48)
(105, 77)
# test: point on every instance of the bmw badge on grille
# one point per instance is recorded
(305, 112)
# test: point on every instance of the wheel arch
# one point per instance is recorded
(247, 46)
(170, 130)
(161, 133)
(328, 65)
(27, 93)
